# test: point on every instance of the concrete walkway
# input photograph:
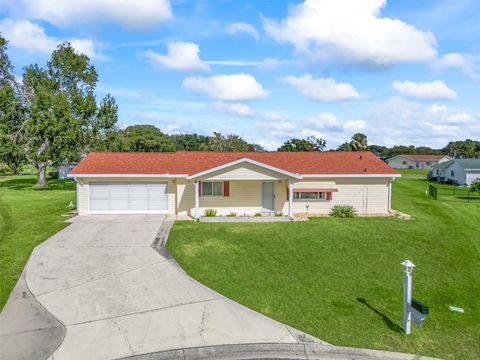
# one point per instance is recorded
(99, 290)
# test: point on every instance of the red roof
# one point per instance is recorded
(192, 162)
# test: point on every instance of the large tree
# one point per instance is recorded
(64, 119)
(358, 142)
(189, 142)
(463, 149)
(311, 143)
(146, 138)
(12, 114)
(231, 142)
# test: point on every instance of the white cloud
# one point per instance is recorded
(470, 64)
(265, 64)
(131, 14)
(233, 108)
(353, 30)
(354, 125)
(322, 121)
(243, 28)
(322, 89)
(444, 115)
(182, 56)
(424, 90)
(26, 35)
(236, 87)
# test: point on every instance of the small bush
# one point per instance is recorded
(210, 212)
(232, 214)
(343, 211)
(257, 214)
(53, 174)
(278, 213)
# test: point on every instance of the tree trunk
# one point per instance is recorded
(41, 175)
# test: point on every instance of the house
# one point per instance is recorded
(416, 161)
(187, 183)
(459, 171)
(64, 169)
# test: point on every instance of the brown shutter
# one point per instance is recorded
(329, 196)
(199, 188)
(226, 188)
(288, 194)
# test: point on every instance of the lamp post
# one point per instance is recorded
(407, 296)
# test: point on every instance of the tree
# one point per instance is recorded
(311, 143)
(232, 142)
(12, 114)
(463, 149)
(189, 142)
(359, 142)
(146, 138)
(475, 185)
(64, 119)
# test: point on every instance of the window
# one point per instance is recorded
(212, 188)
(452, 173)
(428, 163)
(404, 162)
(299, 196)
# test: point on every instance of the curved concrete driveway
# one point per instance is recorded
(118, 297)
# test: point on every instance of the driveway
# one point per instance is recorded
(99, 290)
(118, 297)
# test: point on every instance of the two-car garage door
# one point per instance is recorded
(128, 198)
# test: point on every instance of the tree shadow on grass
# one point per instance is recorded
(391, 325)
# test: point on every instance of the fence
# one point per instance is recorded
(453, 192)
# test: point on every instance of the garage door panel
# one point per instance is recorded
(99, 191)
(128, 198)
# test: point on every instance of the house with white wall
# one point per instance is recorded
(460, 171)
(416, 161)
(188, 183)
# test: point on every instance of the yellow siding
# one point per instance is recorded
(367, 195)
(244, 171)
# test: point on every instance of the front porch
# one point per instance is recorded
(243, 188)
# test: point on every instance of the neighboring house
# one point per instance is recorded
(187, 183)
(64, 169)
(460, 171)
(416, 161)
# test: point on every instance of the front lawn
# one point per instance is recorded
(341, 279)
(413, 172)
(28, 216)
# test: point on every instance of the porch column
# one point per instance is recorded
(390, 196)
(197, 200)
(290, 198)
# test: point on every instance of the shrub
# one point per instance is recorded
(257, 214)
(278, 213)
(475, 185)
(210, 212)
(232, 214)
(343, 211)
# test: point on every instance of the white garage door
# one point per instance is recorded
(128, 198)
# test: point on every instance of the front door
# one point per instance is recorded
(268, 196)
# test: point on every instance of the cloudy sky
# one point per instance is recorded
(402, 72)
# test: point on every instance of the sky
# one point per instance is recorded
(402, 72)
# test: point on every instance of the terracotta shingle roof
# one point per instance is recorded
(191, 162)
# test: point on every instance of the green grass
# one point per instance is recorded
(413, 172)
(341, 279)
(28, 216)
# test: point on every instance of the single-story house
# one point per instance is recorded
(187, 183)
(460, 171)
(416, 161)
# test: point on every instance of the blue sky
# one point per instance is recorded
(402, 72)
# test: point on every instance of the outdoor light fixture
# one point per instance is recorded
(408, 266)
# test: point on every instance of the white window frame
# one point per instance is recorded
(212, 194)
(319, 196)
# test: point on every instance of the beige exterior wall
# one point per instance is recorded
(367, 195)
(244, 171)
